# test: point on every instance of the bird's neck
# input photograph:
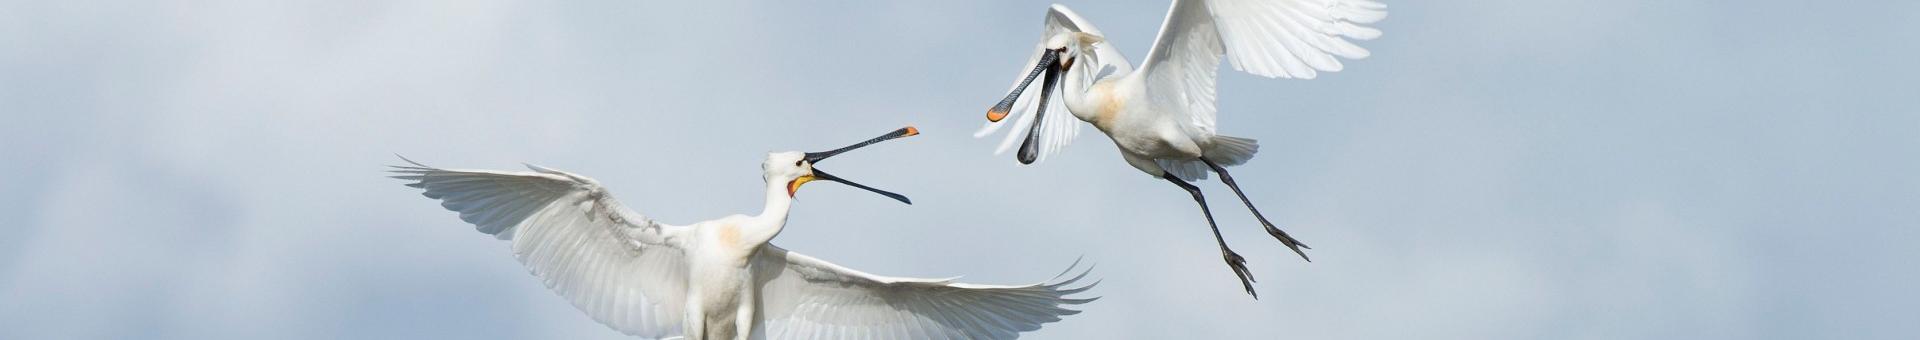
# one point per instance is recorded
(773, 217)
(1075, 82)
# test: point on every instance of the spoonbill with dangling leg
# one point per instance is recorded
(1162, 115)
(721, 279)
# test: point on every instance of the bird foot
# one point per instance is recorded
(1239, 265)
(1288, 240)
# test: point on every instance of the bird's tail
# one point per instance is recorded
(1225, 151)
(1231, 151)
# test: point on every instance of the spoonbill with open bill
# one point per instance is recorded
(721, 279)
(1162, 115)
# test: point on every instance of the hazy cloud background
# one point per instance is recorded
(1498, 169)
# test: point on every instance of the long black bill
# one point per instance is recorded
(1030, 148)
(823, 175)
(816, 157)
(999, 111)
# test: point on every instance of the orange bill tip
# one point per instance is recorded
(912, 131)
(996, 115)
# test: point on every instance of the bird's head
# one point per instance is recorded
(797, 168)
(1069, 46)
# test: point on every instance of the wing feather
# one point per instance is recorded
(623, 269)
(1270, 38)
(803, 294)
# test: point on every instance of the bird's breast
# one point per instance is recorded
(724, 245)
(1106, 105)
(727, 233)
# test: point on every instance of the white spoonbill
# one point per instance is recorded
(720, 279)
(1162, 114)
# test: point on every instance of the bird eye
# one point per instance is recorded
(797, 163)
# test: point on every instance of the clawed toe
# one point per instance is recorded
(1239, 265)
(1288, 240)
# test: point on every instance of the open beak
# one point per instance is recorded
(816, 157)
(999, 111)
(1030, 148)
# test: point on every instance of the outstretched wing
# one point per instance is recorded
(1059, 127)
(1271, 38)
(625, 270)
(804, 297)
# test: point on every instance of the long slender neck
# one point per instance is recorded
(772, 218)
(1075, 82)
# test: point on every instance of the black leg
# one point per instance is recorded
(1234, 260)
(1276, 232)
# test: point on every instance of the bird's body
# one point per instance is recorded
(721, 278)
(1161, 115)
(718, 275)
(1143, 133)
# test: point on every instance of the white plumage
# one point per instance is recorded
(720, 278)
(1270, 38)
(1163, 116)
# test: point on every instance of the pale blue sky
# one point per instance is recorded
(1498, 169)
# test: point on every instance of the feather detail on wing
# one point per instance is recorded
(1293, 38)
(807, 298)
(623, 269)
(1270, 38)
